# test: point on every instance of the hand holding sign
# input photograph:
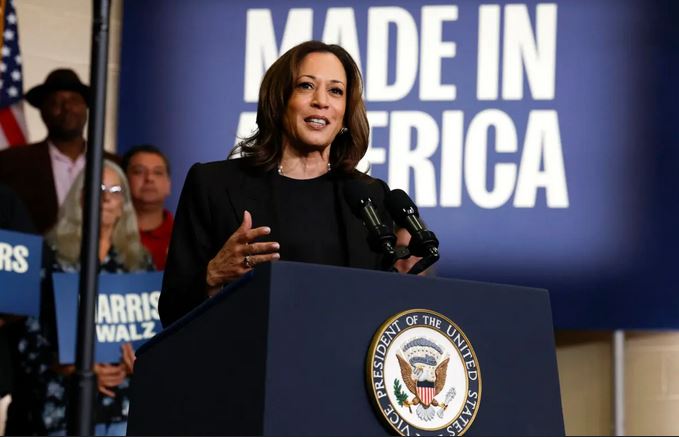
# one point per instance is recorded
(128, 358)
(112, 375)
(109, 376)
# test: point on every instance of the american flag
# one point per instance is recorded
(12, 121)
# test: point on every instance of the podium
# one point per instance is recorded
(283, 352)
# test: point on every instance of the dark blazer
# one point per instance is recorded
(28, 171)
(13, 214)
(14, 217)
(211, 207)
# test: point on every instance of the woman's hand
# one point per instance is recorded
(109, 376)
(128, 358)
(404, 265)
(112, 375)
(239, 254)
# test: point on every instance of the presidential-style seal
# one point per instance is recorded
(423, 374)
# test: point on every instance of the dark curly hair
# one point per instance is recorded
(264, 149)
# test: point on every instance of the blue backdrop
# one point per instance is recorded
(539, 139)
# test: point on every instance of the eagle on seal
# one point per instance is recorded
(424, 374)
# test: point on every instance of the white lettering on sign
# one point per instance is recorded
(340, 28)
(126, 317)
(537, 53)
(261, 49)
(441, 155)
(433, 52)
(408, 153)
(13, 258)
(380, 20)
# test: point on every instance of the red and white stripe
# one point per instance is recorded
(426, 394)
(12, 126)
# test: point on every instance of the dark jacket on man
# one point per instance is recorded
(28, 171)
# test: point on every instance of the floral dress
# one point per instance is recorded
(49, 388)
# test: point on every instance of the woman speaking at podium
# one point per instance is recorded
(283, 197)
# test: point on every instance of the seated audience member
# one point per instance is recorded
(42, 173)
(148, 171)
(120, 251)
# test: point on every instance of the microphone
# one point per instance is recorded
(380, 237)
(423, 242)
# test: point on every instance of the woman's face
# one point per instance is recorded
(315, 111)
(111, 198)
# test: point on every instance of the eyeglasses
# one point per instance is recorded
(113, 189)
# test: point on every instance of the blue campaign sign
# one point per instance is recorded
(20, 273)
(127, 312)
(537, 138)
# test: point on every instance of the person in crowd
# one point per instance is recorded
(42, 173)
(120, 251)
(283, 198)
(13, 213)
(13, 217)
(148, 171)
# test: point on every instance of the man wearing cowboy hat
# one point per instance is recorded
(42, 173)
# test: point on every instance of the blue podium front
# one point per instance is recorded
(287, 351)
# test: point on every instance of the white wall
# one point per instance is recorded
(57, 34)
(651, 382)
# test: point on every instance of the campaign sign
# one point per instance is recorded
(538, 138)
(20, 264)
(126, 312)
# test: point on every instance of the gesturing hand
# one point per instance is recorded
(240, 254)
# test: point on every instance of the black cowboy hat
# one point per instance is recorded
(62, 79)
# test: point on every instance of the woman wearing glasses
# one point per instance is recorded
(120, 251)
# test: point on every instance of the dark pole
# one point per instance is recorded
(81, 414)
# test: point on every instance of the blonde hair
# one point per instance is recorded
(66, 236)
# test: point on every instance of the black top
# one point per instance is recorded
(309, 220)
(210, 210)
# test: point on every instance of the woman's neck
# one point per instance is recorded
(105, 241)
(300, 165)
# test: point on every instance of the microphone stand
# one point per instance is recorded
(402, 252)
(425, 262)
(81, 413)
